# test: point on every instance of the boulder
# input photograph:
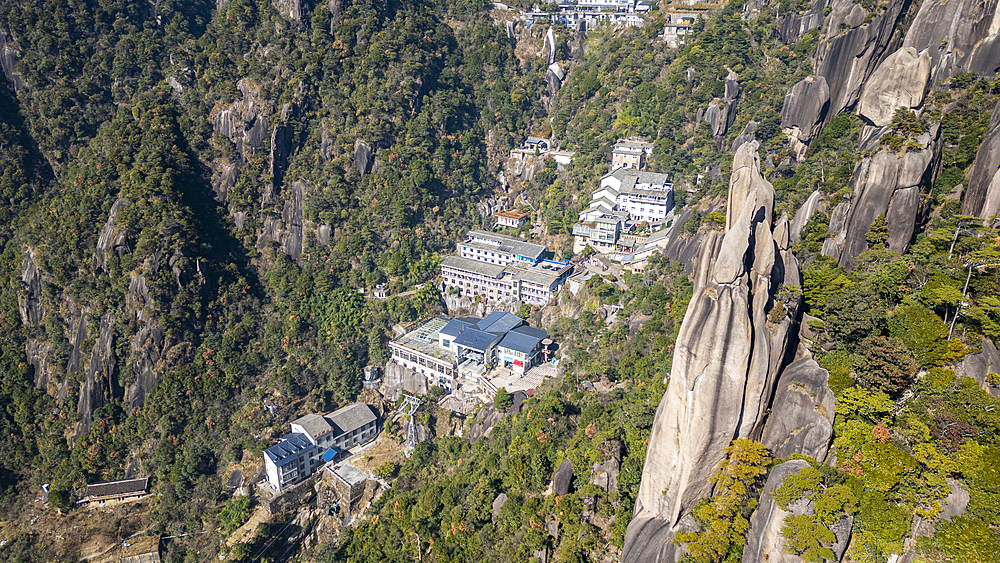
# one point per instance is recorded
(958, 36)
(900, 81)
(983, 367)
(498, 504)
(803, 112)
(764, 540)
(562, 480)
(362, 157)
(982, 197)
(801, 419)
(721, 380)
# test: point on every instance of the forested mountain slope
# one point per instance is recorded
(193, 193)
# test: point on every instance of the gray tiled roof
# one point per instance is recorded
(116, 488)
(314, 425)
(351, 417)
(475, 266)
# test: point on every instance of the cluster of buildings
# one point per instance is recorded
(503, 269)
(462, 352)
(315, 440)
(625, 199)
(585, 14)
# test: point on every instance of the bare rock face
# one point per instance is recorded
(399, 379)
(958, 35)
(900, 81)
(292, 219)
(764, 539)
(8, 63)
(562, 479)
(362, 157)
(790, 28)
(850, 49)
(801, 419)
(813, 204)
(805, 108)
(885, 183)
(111, 236)
(721, 382)
(982, 198)
(983, 367)
(100, 384)
(291, 9)
(549, 47)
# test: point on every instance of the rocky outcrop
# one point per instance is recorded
(802, 114)
(100, 383)
(801, 419)
(883, 184)
(562, 479)
(721, 381)
(8, 63)
(145, 351)
(399, 379)
(852, 48)
(605, 474)
(983, 367)
(745, 136)
(764, 539)
(791, 27)
(292, 218)
(900, 81)
(765, 542)
(952, 506)
(982, 198)
(813, 204)
(111, 237)
(291, 9)
(958, 35)
(362, 157)
(549, 47)
(244, 122)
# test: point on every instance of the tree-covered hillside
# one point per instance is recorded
(199, 197)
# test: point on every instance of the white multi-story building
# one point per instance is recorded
(503, 269)
(645, 196)
(630, 153)
(316, 439)
(625, 198)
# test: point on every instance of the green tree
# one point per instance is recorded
(502, 401)
(885, 365)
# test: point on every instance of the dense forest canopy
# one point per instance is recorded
(196, 197)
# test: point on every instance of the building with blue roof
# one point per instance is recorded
(317, 439)
(440, 346)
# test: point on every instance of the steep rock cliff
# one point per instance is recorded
(982, 198)
(958, 36)
(721, 381)
(888, 184)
